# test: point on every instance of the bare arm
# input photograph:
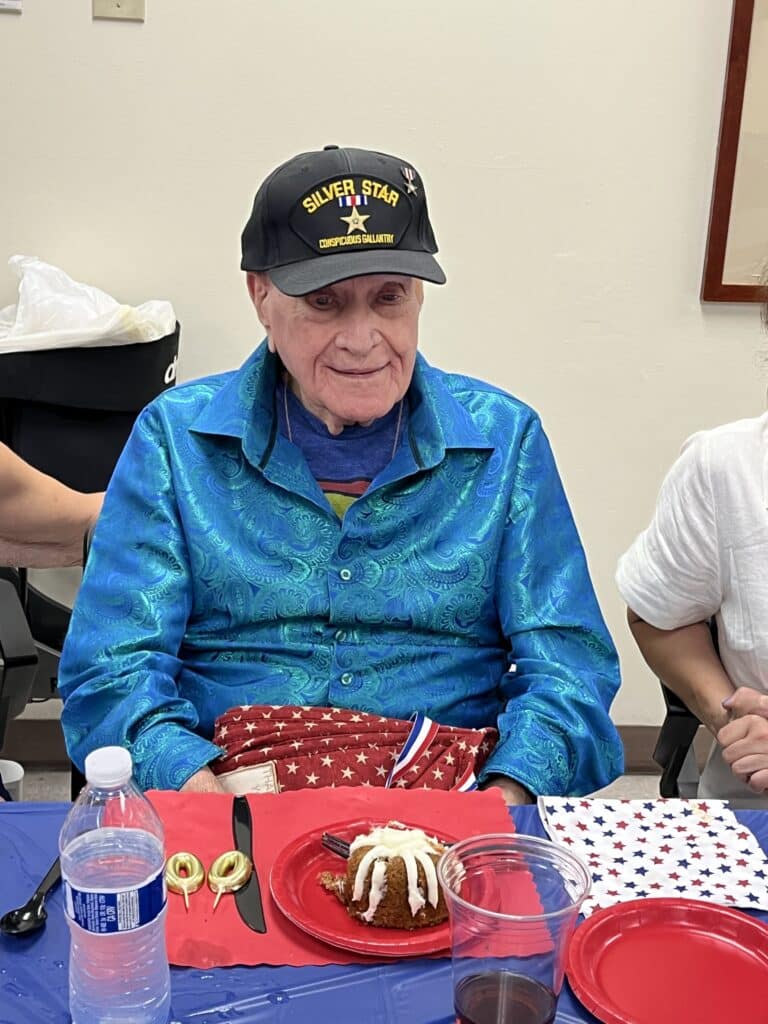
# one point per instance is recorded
(686, 660)
(42, 522)
(688, 663)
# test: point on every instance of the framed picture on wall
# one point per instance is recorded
(737, 242)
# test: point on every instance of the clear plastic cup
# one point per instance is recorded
(513, 901)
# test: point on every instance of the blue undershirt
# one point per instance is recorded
(343, 464)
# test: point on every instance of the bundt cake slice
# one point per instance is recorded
(391, 879)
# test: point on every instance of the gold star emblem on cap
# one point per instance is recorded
(355, 220)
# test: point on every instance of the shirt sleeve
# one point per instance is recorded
(120, 663)
(556, 735)
(671, 575)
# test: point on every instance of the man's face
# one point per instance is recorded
(349, 348)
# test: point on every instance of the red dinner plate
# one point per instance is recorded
(669, 961)
(294, 883)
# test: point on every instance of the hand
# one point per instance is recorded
(745, 748)
(203, 781)
(746, 701)
(515, 795)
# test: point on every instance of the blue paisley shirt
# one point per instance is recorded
(456, 585)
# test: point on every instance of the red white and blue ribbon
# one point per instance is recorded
(422, 735)
(423, 732)
(353, 200)
(467, 781)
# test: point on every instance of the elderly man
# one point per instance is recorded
(338, 523)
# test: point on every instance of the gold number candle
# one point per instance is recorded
(184, 874)
(228, 873)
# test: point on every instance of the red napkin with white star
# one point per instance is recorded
(270, 749)
(694, 849)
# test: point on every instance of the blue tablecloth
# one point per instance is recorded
(33, 970)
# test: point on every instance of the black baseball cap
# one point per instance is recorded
(336, 213)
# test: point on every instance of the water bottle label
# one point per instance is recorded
(106, 912)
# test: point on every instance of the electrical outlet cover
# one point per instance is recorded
(127, 10)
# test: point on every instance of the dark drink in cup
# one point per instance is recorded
(501, 997)
(513, 900)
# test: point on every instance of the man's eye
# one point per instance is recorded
(321, 301)
(389, 298)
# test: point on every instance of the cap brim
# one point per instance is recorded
(309, 275)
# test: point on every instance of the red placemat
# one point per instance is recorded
(201, 823)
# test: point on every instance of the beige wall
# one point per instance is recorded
(568, 146)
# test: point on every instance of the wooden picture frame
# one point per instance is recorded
(737, 240)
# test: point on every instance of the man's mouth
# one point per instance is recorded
(360, 374)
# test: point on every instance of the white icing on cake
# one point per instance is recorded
(378, 889)
(414, 847)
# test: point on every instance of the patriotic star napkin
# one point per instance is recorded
(642, 848)
(269, 749)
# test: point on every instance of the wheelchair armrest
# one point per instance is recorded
(19, 658)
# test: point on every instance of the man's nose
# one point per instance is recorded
(358, 333)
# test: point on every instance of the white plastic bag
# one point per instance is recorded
(54, 311)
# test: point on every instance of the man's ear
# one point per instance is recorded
(258, 288)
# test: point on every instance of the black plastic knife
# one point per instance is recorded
(247, 899)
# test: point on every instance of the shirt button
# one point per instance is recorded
(346, 678)
(341, 635)
(345, 574)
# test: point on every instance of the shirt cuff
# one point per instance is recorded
(501, 762)
(168, 754)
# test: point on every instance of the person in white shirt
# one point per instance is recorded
(705, 555)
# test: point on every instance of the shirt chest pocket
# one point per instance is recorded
(745, 608)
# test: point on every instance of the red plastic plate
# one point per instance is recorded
(669, 961)
(296, 890)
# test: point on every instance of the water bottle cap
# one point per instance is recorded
(108, 766)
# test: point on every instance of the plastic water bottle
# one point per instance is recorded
(112, 860)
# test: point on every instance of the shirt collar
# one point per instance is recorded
(244, 408)
(438, 421)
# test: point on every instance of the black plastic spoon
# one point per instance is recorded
(32, 915)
